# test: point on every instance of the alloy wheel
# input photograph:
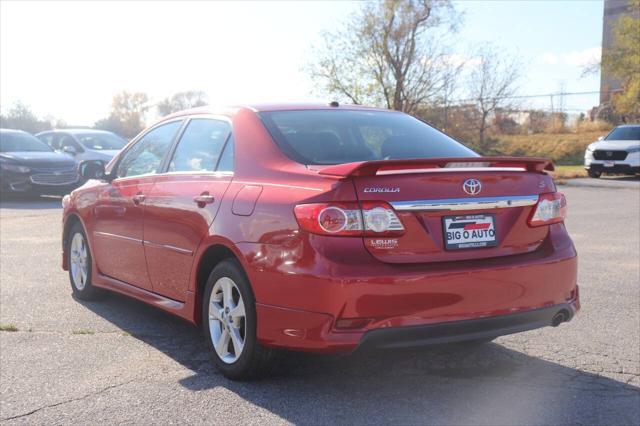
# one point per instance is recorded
(227, 320)
(78, 257)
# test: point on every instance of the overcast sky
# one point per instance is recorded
(67, 59)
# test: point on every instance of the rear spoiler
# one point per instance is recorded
(372, 168)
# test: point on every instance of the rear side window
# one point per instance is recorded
(200, 146)
(228, 156)
(631, 133)
(343, 136)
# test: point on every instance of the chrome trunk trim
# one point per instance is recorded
(450, 204)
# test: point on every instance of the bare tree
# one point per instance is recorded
(491, 86)
(181, 101)
(127, 114)
(392, 53)
(21, 117)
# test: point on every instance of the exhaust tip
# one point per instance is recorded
(559, 318)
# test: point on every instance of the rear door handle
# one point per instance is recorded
(203, 199)
(138, 198)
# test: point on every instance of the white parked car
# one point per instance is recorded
(84, 144)
(618, 152)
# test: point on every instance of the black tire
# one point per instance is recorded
(255, 360)
(594, 174)
(88, 291)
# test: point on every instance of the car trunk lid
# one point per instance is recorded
(430, 198)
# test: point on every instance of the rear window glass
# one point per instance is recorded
(624, 134)
(343, 136)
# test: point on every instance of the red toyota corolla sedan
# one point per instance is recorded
(321, 228)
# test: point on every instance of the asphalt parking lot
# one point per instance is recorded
(120, 361)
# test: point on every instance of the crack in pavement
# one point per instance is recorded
(57, 404)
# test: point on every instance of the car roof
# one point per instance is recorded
(264, 107)
(268, 107)
(628, 125)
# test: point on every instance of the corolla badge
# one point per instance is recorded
(472, 186)
(382, 190)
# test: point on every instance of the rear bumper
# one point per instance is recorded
(460, 331)
(299, 305)
(315, 332)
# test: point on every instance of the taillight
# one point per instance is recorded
(330, 219)
(380, 218)
(349, 219)
(551, 208)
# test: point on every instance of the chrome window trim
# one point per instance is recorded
(451, 204)
(197, 173)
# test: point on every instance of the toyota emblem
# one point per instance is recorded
(472, 186)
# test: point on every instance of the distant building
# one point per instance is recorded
(613, 10)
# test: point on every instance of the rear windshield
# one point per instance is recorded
(343, 136)
(624, 134)
(21, 142)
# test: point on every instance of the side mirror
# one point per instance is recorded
(601, 138)
(91, 169)
(69, 150)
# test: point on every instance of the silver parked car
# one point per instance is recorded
(84, 144)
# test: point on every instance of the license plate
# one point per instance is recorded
(609, 163)
(474, 231)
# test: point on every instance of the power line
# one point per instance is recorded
(544, 95)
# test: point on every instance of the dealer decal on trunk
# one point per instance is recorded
(383, 244)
